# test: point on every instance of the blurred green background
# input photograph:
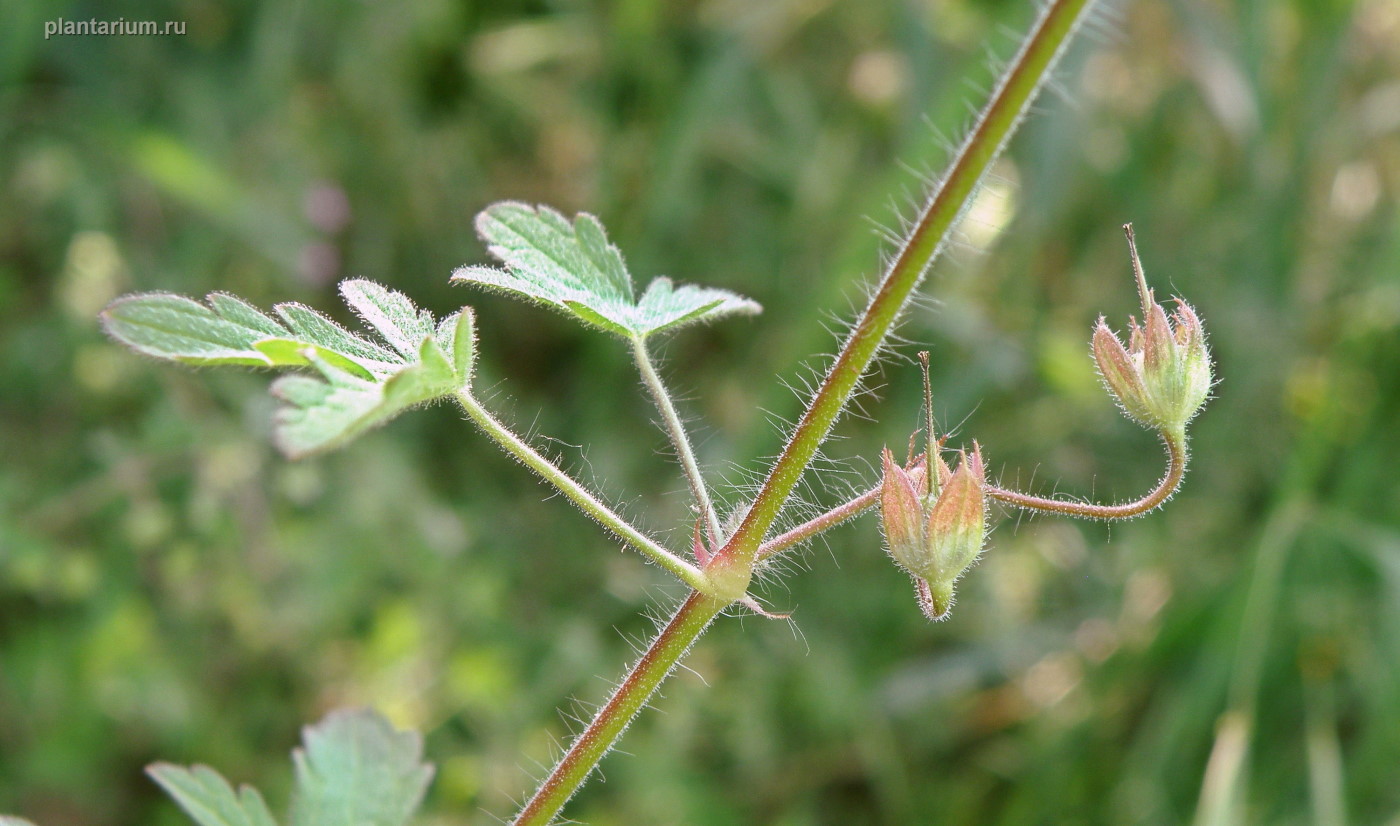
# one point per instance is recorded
(171, 588)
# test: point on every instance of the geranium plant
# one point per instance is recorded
(934, 504)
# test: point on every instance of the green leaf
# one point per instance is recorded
(391, 313)
(359, 383)
(355, 769)
(457, 335)
(573, 268)
(323, 414)
(231, 331)
(209, 799)
(177, 328)
(288, 352)
(313, 328)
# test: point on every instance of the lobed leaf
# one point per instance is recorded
(209, 799)
(573, 268)
(173, 327)
(359, 383)
(322, 414)
(355, 768)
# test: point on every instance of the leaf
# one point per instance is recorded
(288, 352)
(209, 799)
(177, 328)
(230, 331)
(391, 313)
(457, 335)
(573, 268)
(321, 415)
(313, 328)
(359, 383)
(355, 769)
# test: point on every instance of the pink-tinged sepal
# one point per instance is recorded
(901, 515)
(957, 522)
(1136, 340)
(1159, 354)
(1120, 373)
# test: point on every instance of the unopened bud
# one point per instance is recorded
(1163, 376)
(937, 540)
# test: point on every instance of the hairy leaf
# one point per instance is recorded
(209, 799)
(390, 313)
(355, 768)
(321, 414)
(230, 331)
(177, 328)
(572, 267)
(355, 383)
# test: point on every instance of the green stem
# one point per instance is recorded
(1013, 95)
(675, 428)
(729, 571)
(686, 625)
(1176, 468)
(587, 502)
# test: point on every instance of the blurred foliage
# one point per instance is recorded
(170, 588)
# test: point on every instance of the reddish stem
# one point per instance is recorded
(1176, 468)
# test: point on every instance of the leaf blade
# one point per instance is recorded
(389, 312)
(354, 767)
(312, 327)
(208, 798)
(573, 268)
(320, 415)
(176, 328)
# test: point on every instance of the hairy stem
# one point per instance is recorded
(675, 428)
(844, 512)
(685, 626)
(1176, 468)
(586, 501)
(1013, 95)
(728, 572)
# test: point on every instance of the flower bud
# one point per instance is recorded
(935, 539)
(1163, 376)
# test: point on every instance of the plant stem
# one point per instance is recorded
(1013, 95)
(587, 502)
(729, 571)
(685, 626)
(1176, 468)
(841, 513)
(675, 428)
